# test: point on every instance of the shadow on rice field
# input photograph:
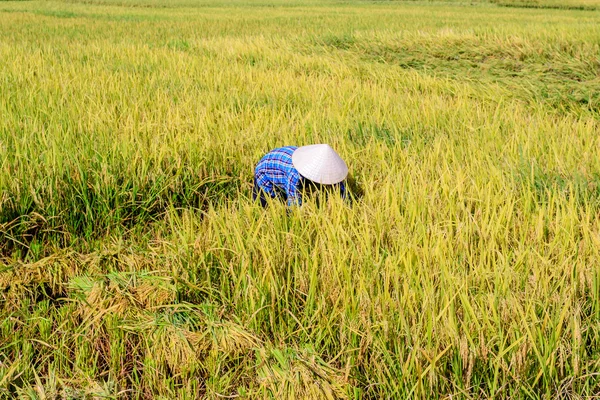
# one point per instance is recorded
(583, 189)
(583, 5)
(91, 203)
(560, 75)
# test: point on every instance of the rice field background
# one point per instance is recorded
(133, 263)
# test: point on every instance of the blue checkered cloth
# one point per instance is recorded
(276, 176)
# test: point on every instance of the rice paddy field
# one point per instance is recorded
(134, 264)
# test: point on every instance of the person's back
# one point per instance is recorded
(276, 175)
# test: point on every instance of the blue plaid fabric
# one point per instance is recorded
(275, 175)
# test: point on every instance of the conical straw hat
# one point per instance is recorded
(320, 163)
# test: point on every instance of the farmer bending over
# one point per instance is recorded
(285, 171)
